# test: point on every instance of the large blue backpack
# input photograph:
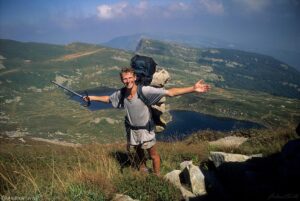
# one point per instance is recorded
(144, 68)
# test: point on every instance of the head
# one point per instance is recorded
(128, 77)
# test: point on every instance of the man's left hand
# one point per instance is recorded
(201, 87)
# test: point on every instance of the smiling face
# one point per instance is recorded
(128, 79)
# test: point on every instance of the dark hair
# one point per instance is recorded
(127, 70)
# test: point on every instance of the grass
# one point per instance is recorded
(90, 172)
(39, 171)
(263, 141)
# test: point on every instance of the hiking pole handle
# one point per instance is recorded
(87, 99)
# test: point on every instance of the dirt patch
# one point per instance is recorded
(76, 55)
(230, 141)
(57, 142)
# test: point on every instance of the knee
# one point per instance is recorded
(154, 156)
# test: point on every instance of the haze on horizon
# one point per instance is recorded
(263, 25)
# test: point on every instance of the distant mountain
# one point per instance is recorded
(130, 42)
(231, 68)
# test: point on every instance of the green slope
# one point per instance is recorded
(31, 105)
(229, 68)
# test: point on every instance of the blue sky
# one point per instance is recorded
(273, 24)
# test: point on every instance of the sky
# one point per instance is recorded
(272, 24)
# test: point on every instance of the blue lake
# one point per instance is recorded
(183, 122)
(186, 122)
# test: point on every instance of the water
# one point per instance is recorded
(186, 122)
(183, 122)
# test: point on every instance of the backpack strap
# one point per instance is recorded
(142, 96)
(122, 98)
(150, 125)
(139, 93)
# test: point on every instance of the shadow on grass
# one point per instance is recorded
(125, 159)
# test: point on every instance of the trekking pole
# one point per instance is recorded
(75, 93)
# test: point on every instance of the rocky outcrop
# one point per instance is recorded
(174, 178)
(221, 157)
(121, 197)
(228, 142)
(190, 180)
(234, 177)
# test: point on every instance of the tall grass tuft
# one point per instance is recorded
(55, 172)
(267, 141)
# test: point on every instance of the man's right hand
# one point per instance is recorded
(86, 98)
(104, 99)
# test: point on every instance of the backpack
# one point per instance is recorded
(145, 69)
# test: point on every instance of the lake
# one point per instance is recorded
(186, 122)
(183, 122)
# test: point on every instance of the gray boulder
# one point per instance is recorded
(220, 157)
(121, 197)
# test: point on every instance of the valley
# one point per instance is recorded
(246, 86)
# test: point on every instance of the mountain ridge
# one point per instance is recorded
(129, 42)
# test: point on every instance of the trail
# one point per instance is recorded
(57, 142)
(9, 71)
(76, 55)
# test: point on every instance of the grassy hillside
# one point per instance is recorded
(32, 106)
(42, 171)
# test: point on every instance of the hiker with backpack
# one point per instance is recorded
(136, 99)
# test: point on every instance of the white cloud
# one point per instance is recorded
(145, 9)
(112, 11)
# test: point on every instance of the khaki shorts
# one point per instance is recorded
(146, 145)
(149, 144)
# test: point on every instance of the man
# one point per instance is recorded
(138, 120)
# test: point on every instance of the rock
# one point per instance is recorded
(193, 176)
(22, 140)
(121, 197)
(230, 141)
(184, 164)
(173, 178)
(186, 194)
(220, 157)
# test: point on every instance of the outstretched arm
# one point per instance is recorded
(199, 87)
(104, 99)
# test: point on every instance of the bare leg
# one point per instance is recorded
(141, 158)
(155, 159)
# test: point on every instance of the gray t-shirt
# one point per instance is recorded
(138, 113)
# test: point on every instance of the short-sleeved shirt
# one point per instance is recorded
(139, 114)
